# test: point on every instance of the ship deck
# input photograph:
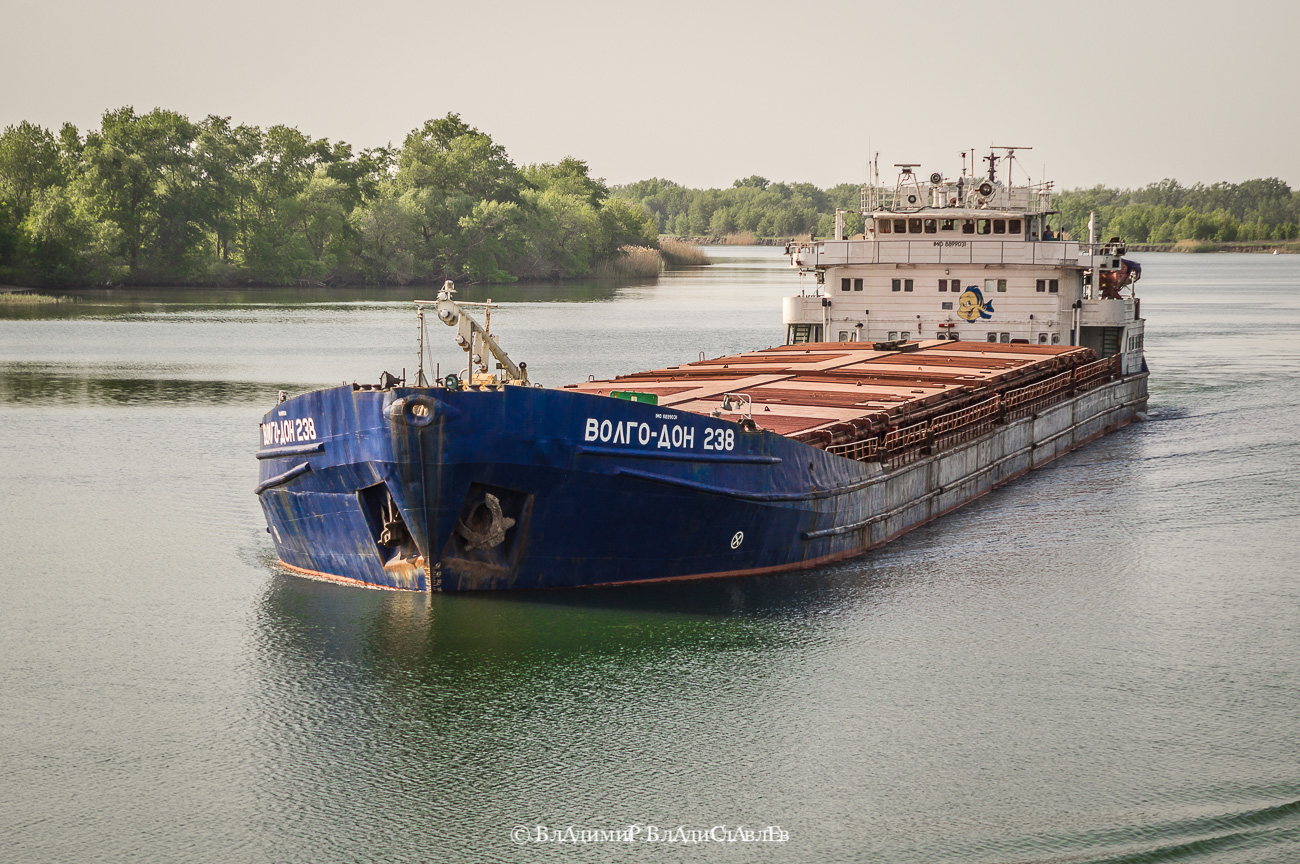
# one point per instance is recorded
(802, 390)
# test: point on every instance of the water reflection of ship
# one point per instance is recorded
(306, 622)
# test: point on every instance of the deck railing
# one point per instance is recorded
(860, 451)
(949, 429)
(908, 443)
(1095, 374)
(1027, 400)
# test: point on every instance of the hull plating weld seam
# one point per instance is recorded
(293, 472)
(845, 529)
(583, 450)
(810, 563)
(292, 450)
(740, 493)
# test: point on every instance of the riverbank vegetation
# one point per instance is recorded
(159, 199)
(1198, 217)
(26, 298)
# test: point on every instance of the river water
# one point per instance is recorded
(1097, 662)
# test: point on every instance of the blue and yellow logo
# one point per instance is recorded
(971, 305)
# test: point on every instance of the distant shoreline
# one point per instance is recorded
(1289, 247)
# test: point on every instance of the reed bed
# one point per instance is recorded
(681, 254)
(16, 298)
(633, 262)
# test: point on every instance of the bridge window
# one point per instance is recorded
(857, 284)
(1053, 286)
(896, 284)
(900, 226)
(947, 224)
(982, 226)
(884, 226)
(1013, 226)
(999, 226)
(931, 226)
(943, 285)
(991, 285)
(907, 284)
(844, 284)
(967, 226)
(914, 226)
(1040, 286)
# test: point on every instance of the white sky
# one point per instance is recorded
(1120, 93)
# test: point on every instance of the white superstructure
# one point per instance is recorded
(971, 259)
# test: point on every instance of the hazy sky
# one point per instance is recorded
(698, 92)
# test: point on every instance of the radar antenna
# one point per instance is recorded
(907, 191)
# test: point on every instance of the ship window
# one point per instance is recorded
(999, 226)
(844, 335)
(956, 285)
(940, 336)
(1042, 338)
(993, 337)
(844, 284)
(991, 285)
(857, 284)
(943, 285)
(900, 226)
(954, 336)
(947, 224)
(893, 334)
(947, 305)
(884, 226)
(1056, 338)
(1013, 226)
(931, 226)
(907, 284)
(1040, 286)
(1054, 286)
(981, 226)
(1006, 337)
(914, 226)
(905, 335)
(967, 226)
(896, 284)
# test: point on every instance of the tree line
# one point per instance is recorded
(1164, 212)
(753, 205)
(159, 199)
(1168, 212)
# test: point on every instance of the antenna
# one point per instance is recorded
(1010, 157)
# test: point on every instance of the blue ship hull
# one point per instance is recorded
(597, 490)
(458, 490)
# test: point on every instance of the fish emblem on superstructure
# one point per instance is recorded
(971, 306)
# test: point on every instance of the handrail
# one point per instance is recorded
(1026, 400)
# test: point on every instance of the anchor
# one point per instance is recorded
(495, 532)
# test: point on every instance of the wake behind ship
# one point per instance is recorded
(760, 462)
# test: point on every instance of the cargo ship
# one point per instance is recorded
(953, 344)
